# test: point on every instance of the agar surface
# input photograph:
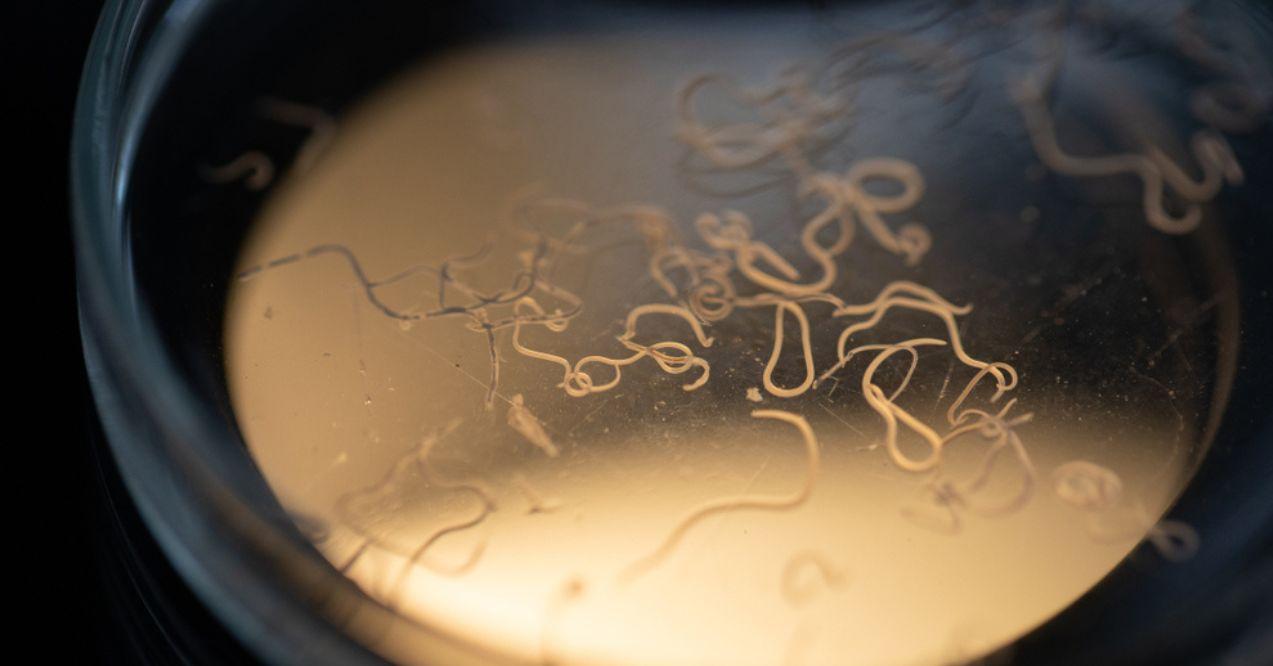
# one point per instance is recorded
(708, 292)
(725, 268)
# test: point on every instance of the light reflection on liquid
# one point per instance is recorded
(331, 394)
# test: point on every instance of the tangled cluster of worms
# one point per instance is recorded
(1153, 167)
(1237, 103)
(726, 266)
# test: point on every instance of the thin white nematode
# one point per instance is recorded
(740, 502)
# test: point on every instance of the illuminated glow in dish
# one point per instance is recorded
(510, 355)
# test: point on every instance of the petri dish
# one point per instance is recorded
(637, 333)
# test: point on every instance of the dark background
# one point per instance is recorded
(44, 45)
(99, 590)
